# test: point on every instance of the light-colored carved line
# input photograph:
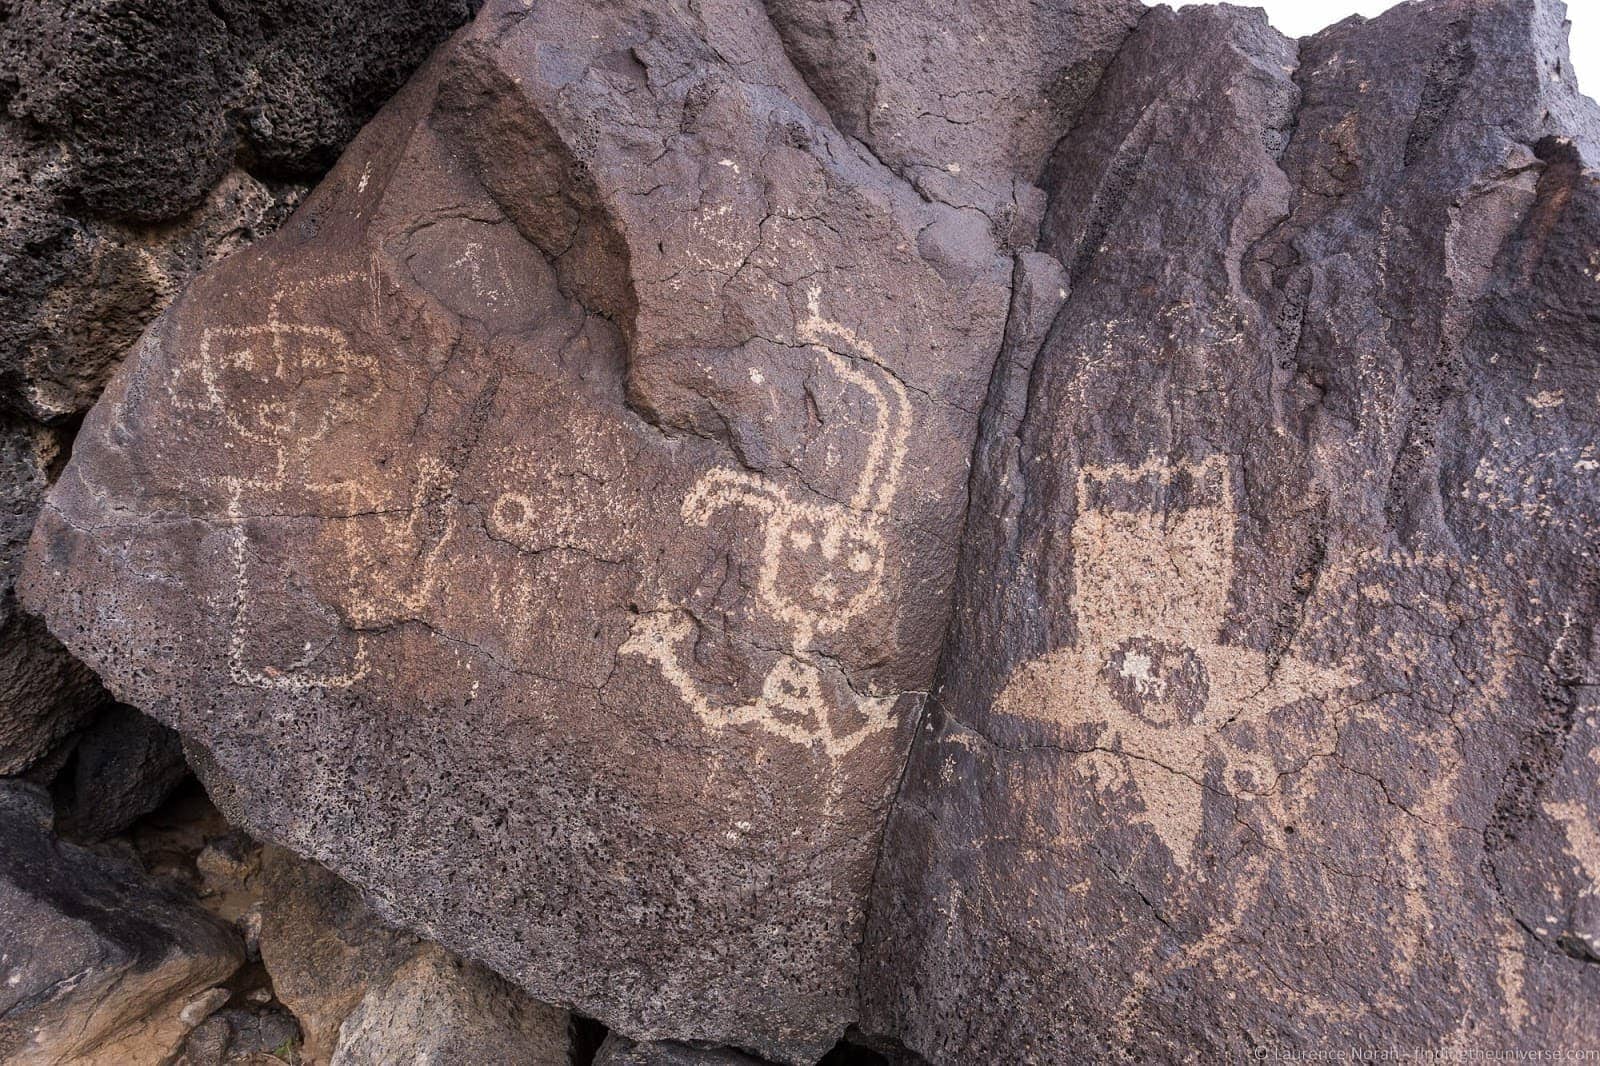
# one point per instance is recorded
(790, 524)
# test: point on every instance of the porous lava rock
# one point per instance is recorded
(1159, 453)
(620, 1051)
(551, 528)
(141, 140)
(1266, 719)
(45, 694)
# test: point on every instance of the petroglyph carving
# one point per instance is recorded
(821, 568)
(1152, 564)
(1583, 839)
(286, 386)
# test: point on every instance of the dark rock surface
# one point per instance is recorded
(139, 142)
(45, 694)
(1265, 722)
(97, 964)
(558, 527)
(620, 1051)
(238, 1037)
(124, 765)
(611, 697)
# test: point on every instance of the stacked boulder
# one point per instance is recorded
(1025, 533)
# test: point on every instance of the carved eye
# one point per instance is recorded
(801, 539)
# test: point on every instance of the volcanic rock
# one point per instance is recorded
(323, 947)
(97, 964)
(551, 529)
(45, 694)
(125, 764)
(1265, 719)
(436, 1008)
(620, 1051)
(667, 420)
(140, 142)
(239, 1037)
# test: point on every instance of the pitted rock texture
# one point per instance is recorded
(139, 142)
(551, 528)
(1266, 716)
(45, 694)
(620, 1051)
(97, 963)
(557, 527)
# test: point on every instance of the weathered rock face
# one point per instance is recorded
(323, 947)
(45, 694)
(620, 1051)
(1266, 716)
(97, 965)
(124, 765)
(364, 992)
(551, 529)
(140, 142)
(437, 1008)
(555, 529)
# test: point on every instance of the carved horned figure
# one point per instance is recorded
(822, 566)
(1153, 564)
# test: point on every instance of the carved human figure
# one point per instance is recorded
(284, 388)
(821, 568)
(1153, 562)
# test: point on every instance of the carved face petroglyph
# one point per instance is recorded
(821, 568)
(285, 387)
(284, 384)
(1152, 565)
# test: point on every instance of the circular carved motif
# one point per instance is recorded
(1158, 681)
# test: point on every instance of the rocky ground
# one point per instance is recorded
(728, 532)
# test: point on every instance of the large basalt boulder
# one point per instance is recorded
(97, 964)
(551, 529)
(1265, 723)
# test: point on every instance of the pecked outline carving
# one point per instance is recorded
(794, 702)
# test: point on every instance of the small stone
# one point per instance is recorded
(203, 1006)
(228, 861)
(249, 926)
